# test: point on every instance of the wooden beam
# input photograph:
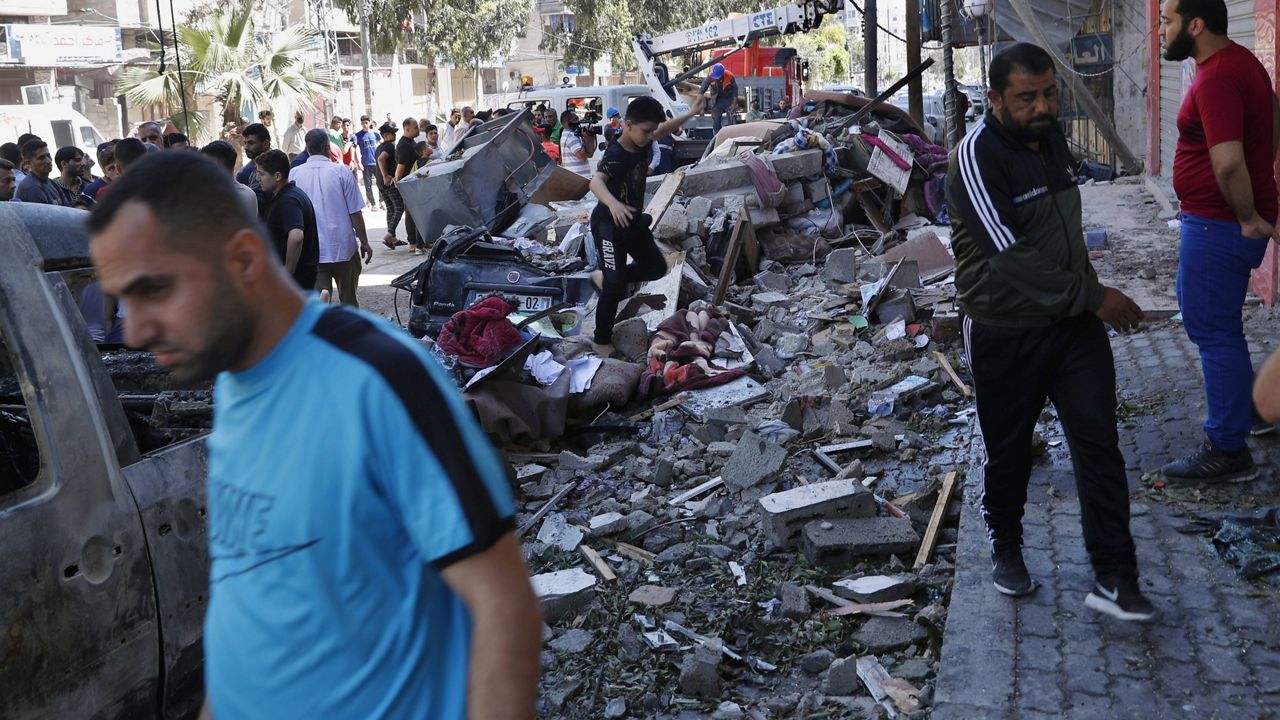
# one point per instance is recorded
(731, 257)
(935, 522)
(601, 567)
(951, 373)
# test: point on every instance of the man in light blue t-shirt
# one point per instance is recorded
(360, 525)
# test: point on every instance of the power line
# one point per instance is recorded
(883, 29)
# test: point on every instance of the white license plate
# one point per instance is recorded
(531, 304)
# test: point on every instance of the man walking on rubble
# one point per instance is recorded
(363, 559)
(1034, 327)
(1222, 172)
(723, 96)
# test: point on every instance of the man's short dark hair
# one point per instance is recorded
(194, 200)
(6, 165)
(264, 114)
(317, 142)
(407, 121)
(107, 152)
(430, 129)
(1213, 12)
(1019, 57)
(364, 118)
(25, 138)
(32, 148)
(171, 139)
(257, 131)
(222, 152)
(11, 152)
(568, 115)
(128, 151)
(645, 109)
(274, 161)
(64, 154)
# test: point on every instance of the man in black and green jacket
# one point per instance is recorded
(1034, 326)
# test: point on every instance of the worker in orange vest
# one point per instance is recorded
(723, 96)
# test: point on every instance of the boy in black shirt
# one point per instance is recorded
(618, 226)
(290, 218)
(385, 158)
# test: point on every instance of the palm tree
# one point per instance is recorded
(226, 61)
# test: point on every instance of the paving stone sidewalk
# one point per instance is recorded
(1215, 652)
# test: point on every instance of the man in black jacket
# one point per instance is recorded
(1034, 326)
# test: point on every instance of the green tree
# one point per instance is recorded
(225, 60)
(826, 50)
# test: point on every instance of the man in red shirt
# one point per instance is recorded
(1223, 174)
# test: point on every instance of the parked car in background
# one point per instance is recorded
(58, 125)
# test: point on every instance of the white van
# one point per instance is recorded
(57, 125)
(586, 100)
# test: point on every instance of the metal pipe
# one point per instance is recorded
(366, 57)
(949, 75)
(870, 34)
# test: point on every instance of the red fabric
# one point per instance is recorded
(551, 149)
(481, 335)
(1229, 100)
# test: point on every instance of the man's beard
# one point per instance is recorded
(1181, 47)
(229, 328)
(1029, 132)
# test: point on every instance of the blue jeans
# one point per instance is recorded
(1213, 277)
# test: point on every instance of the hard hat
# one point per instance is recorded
(612, 113)
(717, 71)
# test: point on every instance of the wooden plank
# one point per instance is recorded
(880, 608)
(951, 373)
(546, 508)
(885, 688)
(935, 522)
(687, 495)
(646, 414)
(848, 607)
(845, 447)
(730, 259)
(634, 552)
(751, 249)
(667, 192)
(601, 567)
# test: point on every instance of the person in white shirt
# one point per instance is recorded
(293, 140)
(452, 130)
(573, 149)
(335, 197)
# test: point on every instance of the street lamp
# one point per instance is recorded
(979, 10)
(366, 59)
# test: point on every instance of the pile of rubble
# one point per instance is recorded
(747, 513)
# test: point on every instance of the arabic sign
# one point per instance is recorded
(59, 45)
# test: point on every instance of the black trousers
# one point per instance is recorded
(614, 245)
(395, 206)
(1070, 363)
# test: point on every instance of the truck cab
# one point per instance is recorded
(102, 499)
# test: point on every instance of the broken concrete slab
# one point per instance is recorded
(604, 524)
(837, 541)
(842, 266)
(795, 602)
(772, 281)
(652, 596)
(816, 661)
(783, 514)
(842, 678)
(731, 174)
(877, 588)
(770, 299)
(886, 634)
(572, 641)
(699, 672)
(557, 532)
(563, 592)
(753, 461)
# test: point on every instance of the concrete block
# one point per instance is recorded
(896, 305)
(732, 174)
(837, 541)
(842, 266)
(610, 523)
(770, 299)
(699, 672)
(765, 217)
(881, 635)
(816, 190)
(795, 194)
(674, 224)
(842, 677)
(772, 281)
(563, 592)
(753, 461)
(769, 362)
(783, 514)
(652, 596)
(877, 588)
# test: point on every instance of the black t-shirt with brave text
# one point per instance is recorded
(290, 210)
(388, 147)
(407, 152)
(626, 172)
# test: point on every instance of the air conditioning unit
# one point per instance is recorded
(36, 95)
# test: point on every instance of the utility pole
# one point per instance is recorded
(954, 134)
(366, 56)
(915, 89)
(871, 70)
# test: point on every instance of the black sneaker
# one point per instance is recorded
(1121, 599)
(1009, 573)
(1209, 464)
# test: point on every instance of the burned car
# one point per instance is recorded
(102, 499)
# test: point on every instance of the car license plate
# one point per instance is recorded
(531, 304)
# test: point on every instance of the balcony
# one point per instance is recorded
(376, 61)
